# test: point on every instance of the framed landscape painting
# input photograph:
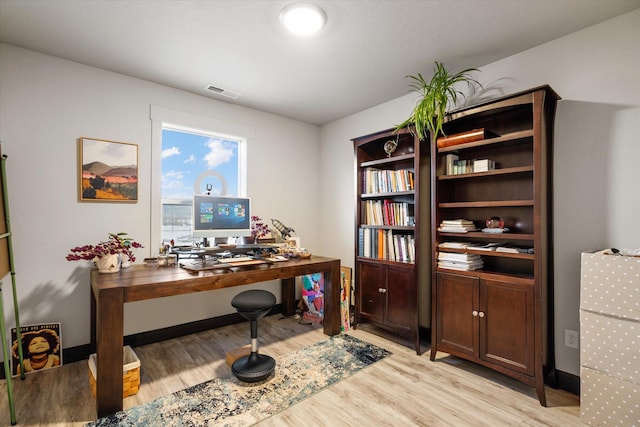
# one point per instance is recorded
(108, 171)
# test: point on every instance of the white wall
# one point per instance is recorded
(46, 103)
(596, 173)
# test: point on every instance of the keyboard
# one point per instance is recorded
(236, 259)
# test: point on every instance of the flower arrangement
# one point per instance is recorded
(259, 229)
(118, 243)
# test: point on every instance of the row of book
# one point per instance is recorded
(454, 166)
(387, 181)
(386, 212)
(384, 244)
(459, 261)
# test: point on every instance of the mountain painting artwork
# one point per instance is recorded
(108, 170)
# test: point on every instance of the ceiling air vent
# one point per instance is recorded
(224, 92)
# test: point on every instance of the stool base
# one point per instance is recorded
(253, 368)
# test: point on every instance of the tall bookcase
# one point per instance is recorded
(387, 229)
(494, 307)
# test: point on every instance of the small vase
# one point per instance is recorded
(124, 261)
(108, 263)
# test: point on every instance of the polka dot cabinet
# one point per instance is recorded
(610, 340)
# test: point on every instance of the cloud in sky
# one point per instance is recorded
(173, 151)
(218, 153)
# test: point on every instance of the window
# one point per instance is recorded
(195, 162)
(189, 151)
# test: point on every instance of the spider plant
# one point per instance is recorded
(436, 96)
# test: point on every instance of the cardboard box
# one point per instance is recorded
(130, 372)
(610, 284)
(606, 400)
(609, 344)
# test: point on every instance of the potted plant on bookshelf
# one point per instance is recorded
(437, 95)
(108, 255)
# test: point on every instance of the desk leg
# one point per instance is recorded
(93, 325)
(110, 330)
(332, 319)
(288, 296)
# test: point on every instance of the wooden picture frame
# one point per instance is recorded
(108, 171)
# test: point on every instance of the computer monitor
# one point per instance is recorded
(221, 217)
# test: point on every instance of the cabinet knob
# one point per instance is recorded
(475, 313)
(382, 290)
(481, 314)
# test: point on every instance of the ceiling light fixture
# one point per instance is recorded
(303, 19)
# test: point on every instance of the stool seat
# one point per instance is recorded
(253, 305)
(253, 300)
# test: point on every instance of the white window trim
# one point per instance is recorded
(181, 120)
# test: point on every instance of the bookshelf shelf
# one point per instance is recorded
(507, 138)
(505, 171)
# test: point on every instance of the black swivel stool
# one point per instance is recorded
(253, 305)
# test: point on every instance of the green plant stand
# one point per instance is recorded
(8, 267)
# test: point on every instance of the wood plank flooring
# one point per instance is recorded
(401, 390)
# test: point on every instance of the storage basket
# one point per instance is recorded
(130, 372)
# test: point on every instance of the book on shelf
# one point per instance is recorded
(378, 243)
(459, 261)
(487, 247)
(387, 181)
(460, 257)
(386, 212)
(483, 165)
(454, 245)
(457, 226)
(513, 250)
(462, 137)
(460, 266)
(462, 166)
(449, 161)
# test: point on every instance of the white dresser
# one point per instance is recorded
(610, 340)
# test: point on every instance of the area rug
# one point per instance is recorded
(229, 402)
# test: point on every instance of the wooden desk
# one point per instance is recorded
(141, 282)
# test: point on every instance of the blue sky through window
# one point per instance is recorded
(190, 157)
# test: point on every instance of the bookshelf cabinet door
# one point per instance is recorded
(401, 295)
(506, 330)
(457, 314)
(372, 282)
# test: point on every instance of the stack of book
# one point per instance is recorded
(456, 261)
(457, 226)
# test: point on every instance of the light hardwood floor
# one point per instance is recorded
(402, 390)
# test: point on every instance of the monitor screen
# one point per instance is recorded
(217, 216)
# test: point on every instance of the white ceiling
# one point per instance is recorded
(359, 59)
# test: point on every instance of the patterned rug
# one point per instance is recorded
(229, 402)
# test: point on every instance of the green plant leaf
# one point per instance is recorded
(437, 96)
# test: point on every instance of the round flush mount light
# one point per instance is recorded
(303, 19)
